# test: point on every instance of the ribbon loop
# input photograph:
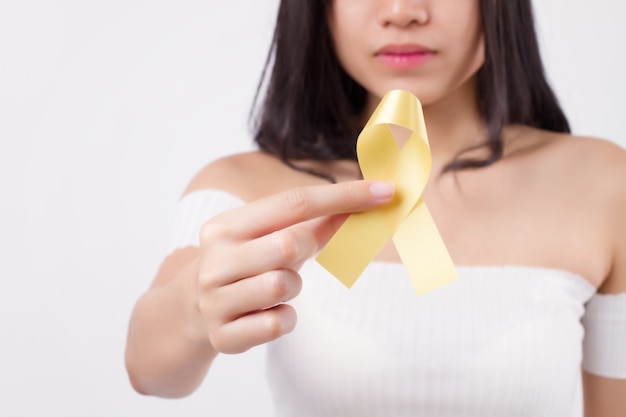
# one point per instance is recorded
(407, 163)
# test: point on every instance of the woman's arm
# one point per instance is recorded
(606, 397)
(228, 295)
(164, 356)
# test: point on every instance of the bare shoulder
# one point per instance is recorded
(585, 160)
(595, 151)
(595, 170)
(226, 172)
(250, 176)
(238, 174)
(601, 161)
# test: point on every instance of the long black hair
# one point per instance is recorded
(311, 104)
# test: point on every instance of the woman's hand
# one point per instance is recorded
(227, 295)
(249, 258)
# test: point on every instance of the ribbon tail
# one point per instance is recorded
(354, 245)
(423, 252)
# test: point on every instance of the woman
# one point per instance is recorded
(532, 217)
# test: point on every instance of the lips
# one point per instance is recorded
(404, 56)
(404, 49)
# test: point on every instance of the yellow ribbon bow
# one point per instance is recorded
(406, 219)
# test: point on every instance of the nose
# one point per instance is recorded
(404, 13)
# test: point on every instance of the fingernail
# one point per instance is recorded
(382, 189)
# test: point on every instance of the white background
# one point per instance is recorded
(107, 108)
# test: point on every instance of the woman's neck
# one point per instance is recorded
(454, 124)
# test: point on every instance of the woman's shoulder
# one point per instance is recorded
(586, 170)
(584, 178)
(243, 175)
(592, 149)
(592, 169)
(598, 172)
(599, 160)
(576, 157)
(249, 176)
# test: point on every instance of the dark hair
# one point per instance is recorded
(311, 104)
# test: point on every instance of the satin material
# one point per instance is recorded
(406, 163)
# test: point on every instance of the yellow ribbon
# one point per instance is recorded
(406, 219)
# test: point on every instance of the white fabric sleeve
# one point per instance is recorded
(193, 210)
(604, 346)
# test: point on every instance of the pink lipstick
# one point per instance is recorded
(404, 56)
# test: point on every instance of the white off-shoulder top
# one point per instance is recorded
(501, 341)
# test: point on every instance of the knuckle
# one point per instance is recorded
(206, 287)
(205, 307)
(298, 200)
(212, 307)
(274, 325)
(278, 285)
(211, 230)
(296, 285)
(210, 321)
(223, 340)
(354, 193)
(281, 320)
(286, 244)
(219, 342)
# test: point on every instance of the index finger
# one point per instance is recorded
(294, 206)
